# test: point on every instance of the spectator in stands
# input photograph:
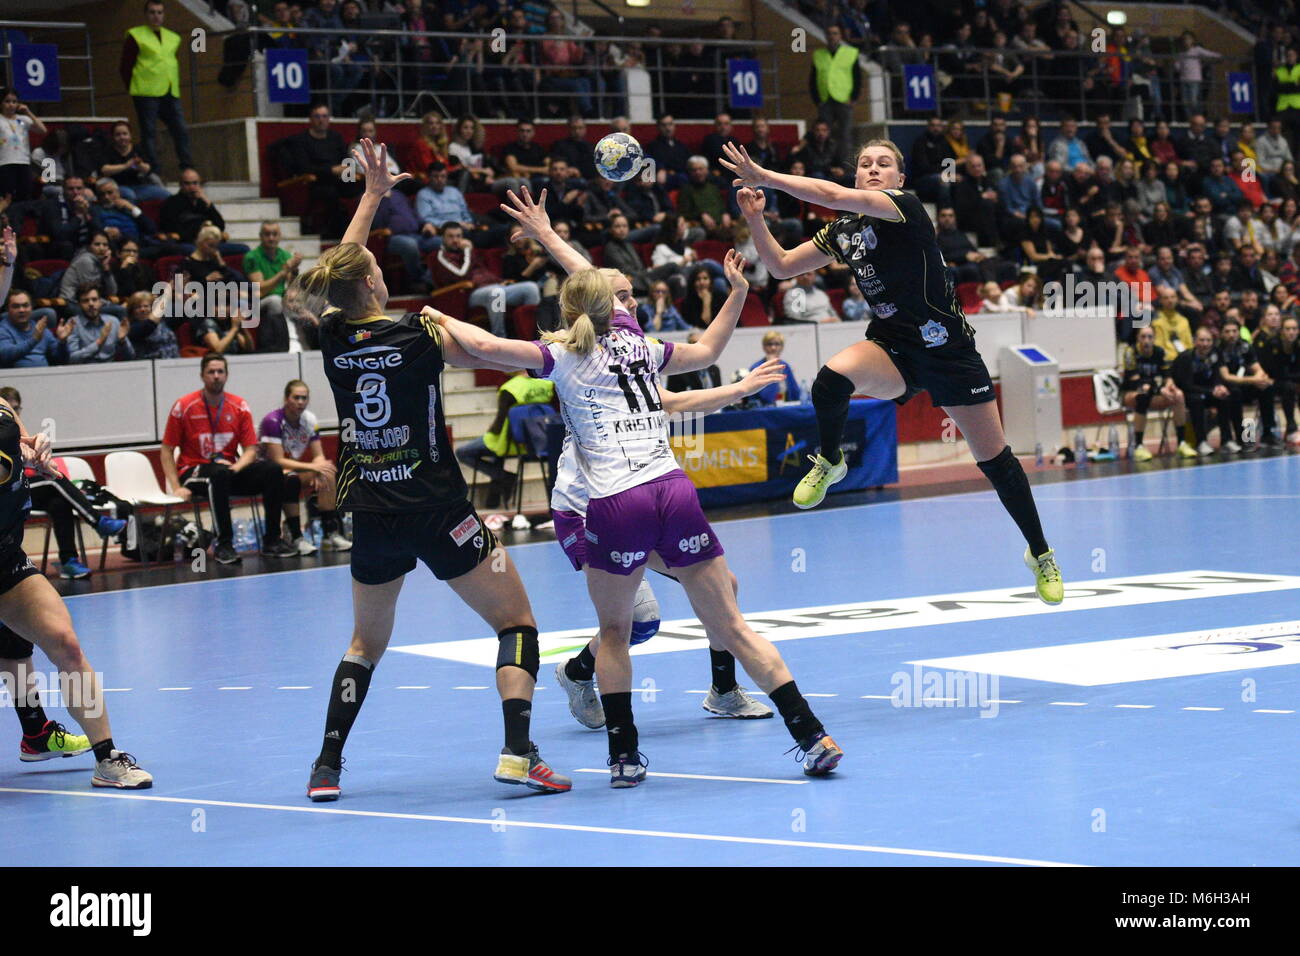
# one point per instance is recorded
(563, 66)
(1172, 328)
(151, 73)
(1025, 296)
(1223, 139)
(958, 252)
(620, 254)
(430, 146)
(995, 147)
(669, 153)
(123, 162)
(807, 303)
(854, 307)
(1108, 232)
(1165, 272)
(1150, 190)
(205, 264)
(601, 201)
(190, 209)
(213, 431)
(1246, 272)
(1053, 191)
(1242, 229)
(931, 157)
(1018, 194)
(1196, 373)
(1138, 146)
(509, 72)
(17, 123)
(659, 314)
(366, 129)
(1272, 149)
(561, 227)
(976, 201)
(575, 150)
(760, 147)
(1189, 71)
(96, 337)
(92, 265)
(1084, 193)
(68, 219)
(1216, 313)
(31, 338)
(787, 390)
(821, 155)
(456, 262)
(122, 219)
(1029, 143)
(673, 248)
(408, 238)
(1162, 146)
(288, 438)
(520, 160)
(564, 193)
(702, 300)
(317, 151)
(709, 377)
(1038, 247)
(1243, 174)
(1107, 188)
(150, 335)
(1164, 230)
(1196, 148)
(1141, 290)
(834, 82)
(1068, 149)
(273, 267)
(1005, 68)
(1285, 186)
(488, 453)
(439, 203)
(527, 261)
(1126, 183)
(466, 147)
(129, 272)
(1074, 242)
(702, 203)
(711, 147)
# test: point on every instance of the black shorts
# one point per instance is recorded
(954, 374)
(15, 566)
(451, 541)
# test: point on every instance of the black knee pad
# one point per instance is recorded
(831, 388)
(292, 487)
(518, 648)
(1002, 468)
(1142, 403)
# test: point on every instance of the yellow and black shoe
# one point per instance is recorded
(53, 741)
(812, 489)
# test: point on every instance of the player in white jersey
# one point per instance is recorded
(640, 500)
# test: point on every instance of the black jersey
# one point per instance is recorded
(1196, 374)
(1280, 366)
(394, 451)
(1142, 369)
(1238, 357)
(15, 499)
(901, 272)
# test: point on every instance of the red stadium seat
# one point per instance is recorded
(968, 294)
(752, 313)
(235, 262)
(645, 249)
(167, 266)
(47, 267)
(711, 249)
(523, 322)
(492, 259)
(151, 208)
(185, 339)
(482, 203)
(837, 300)
(597, 254)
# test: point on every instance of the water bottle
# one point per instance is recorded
(805, 393)
(1038, 454)
(315, 532)
(1132, 441)
(1080, 449)
(240, 535)
(347, 525)
(1112, 440)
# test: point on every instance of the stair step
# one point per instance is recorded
(256, 210)
(289, 228)
(220, 192)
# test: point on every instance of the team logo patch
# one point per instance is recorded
(478, 542)
(869, 237)
(843, 242)
(358, 337)
(465, 530)
(934, 333)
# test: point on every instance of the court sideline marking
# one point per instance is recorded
(573, 827)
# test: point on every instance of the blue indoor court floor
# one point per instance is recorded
(1149, 720)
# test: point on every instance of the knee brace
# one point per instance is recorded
(1003, 468)
(292, 487)
(1142, 403)
(517, 647)
(830, 388)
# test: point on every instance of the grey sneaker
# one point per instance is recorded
(304, 545)
(531, 771)
(627, 770)
(279, 549)
(735, 703)
(819, 757)
(336, 542)
(121, 771)
(584, 702)
(324, 783)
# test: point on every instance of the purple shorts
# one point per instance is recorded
(663, 515)
(571, 532)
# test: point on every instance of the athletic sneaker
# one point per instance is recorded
(108, 526)
(1205, 449)
(531, 771)
(1141, 453)
(121, 772)
(304, 545)
(1231, 447)
(53, 741)
(813, 486)
(1051, 590)
(1185, 450)
(627, 770)
(819, 756)
(735, 703)
(279, 548)
(72, 569)
(225, 554)
(584, 702)
(324, 782)
(336, 542)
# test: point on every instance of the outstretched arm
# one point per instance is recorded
(687, 357)
(536, 224)
(504, 354)
(781, 262)
(8, 261)
(372, 162)
(706, 400)
(454, 354)
(873, 202)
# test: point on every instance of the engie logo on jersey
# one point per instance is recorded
(374, 357)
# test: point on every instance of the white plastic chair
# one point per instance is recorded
(131, 477)
(79, 469)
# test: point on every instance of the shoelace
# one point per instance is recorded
(125, 759)
(341, 768)
(640, 759)
(1048, 569)
(59, 735)
(818, 471)
(802, 754)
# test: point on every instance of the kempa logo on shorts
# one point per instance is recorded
(625, 559)
(374, 357)
(694, 544)
(77, 909)
(465, 530)
(982, 388)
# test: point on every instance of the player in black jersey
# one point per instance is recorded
(919, 338)
(399, 478)
(1280, 357)
(1146, 385)
(1248, 382)
(1196, 372)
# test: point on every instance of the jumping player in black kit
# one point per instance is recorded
(398, 476)
(919, 338)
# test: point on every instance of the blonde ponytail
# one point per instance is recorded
(587, 305)
(334, 289)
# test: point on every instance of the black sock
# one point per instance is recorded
(831, 392)
(517, 715)
(104, 749)
(32, 715)
(723, 665)
(1008, 479)
(618, 723)
(582, 667)
(295, 526)
(798, 716)
(329, 521)
(347, 694)
(1137, 436)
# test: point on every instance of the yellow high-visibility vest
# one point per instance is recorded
(1288, 74)
(527, 391)
(157, 72)
(835, 72)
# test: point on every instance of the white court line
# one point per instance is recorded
(572, 827)
(1275, 711)
(1158, 498)
(118, 690)
(175, 688)
(1069, 703)
(876, 697)
(704, 776)
(1202, 708)
(1134, 706)
(234, 688)
(995, 701)
(414, 687)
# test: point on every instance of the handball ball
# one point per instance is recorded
(618, 157)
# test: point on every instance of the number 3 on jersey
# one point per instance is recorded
(375, 408)
(641, 372)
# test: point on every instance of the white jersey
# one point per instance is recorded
(610, 403)
(570, 491)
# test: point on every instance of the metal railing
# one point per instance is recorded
(383, 76)
(34, 29)
(969, 86)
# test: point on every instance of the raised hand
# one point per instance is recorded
(760, 377)
(9, 243)
(529, 213)
(748, 172)
(372, 161)
(752, 202)
(440, 318)
(733, 267)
